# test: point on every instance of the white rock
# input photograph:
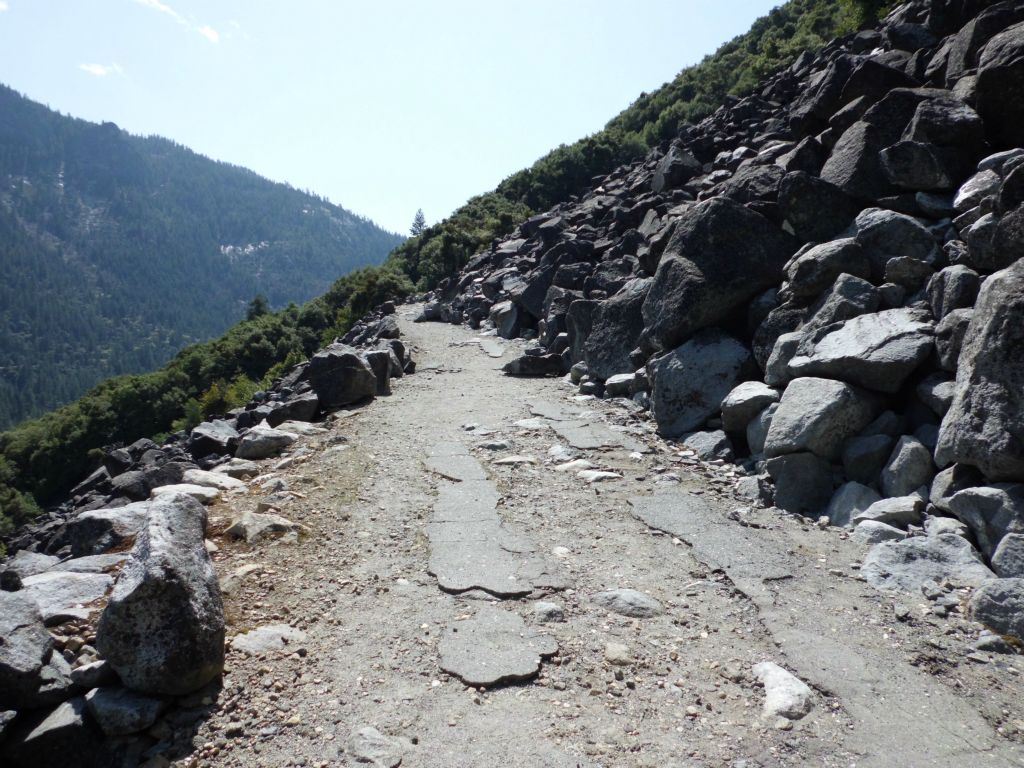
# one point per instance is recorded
(597, 476)
(216, 480)
(198, 492)
(574, 466)
(785, 695)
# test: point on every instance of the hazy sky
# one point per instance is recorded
(383, 106)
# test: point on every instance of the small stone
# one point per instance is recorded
(618, 654)
(785, 694)
(628, 602)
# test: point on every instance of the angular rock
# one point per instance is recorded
(163, 628)
(876, 351)
(813, 209)
(219, 480)
(204, 494)
(990, 512)
(864, 457)
(814, 269)
(382, 362)
(949, 337)
(218, 437)
(253, 526)
(999, 605)
(676, 168)
(909, 467)
(25, 647)
(369, 746)
(785, 695)
(720, 256)
(340, 376)
(899, 512)
(263, 441)
(689, 383)
(1000, 89)
(818, 415)
(757, 429)
(744, 403)
(615, 330)
(535, 365)
(906, 565)
(1008, 559)
(984, 427)
(850, 500)
(710, 445)
(803, 482)
(628, 602)
(954, 287)
(59, 593)
(119, 711)
(64, 737)
(849, 297)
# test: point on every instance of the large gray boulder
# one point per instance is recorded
(984, 427)
(98, 530)
(876, 351)
(803, 482)
(818, 415)
(814, 269)
(25, 648)
(340, 376)
(1000, 88)
(720, 256)
(906, 565)
(615, 331)
(217, 437)
(999, 605)
(263, 441)
(163, 628)
(990, 512)
(64, 737)
(850, 500)
(689, 383)
(909, 467)
(745, 402)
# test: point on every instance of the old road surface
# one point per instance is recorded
(463, 596)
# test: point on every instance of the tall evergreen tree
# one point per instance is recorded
(419, 223)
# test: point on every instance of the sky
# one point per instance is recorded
(382, 106)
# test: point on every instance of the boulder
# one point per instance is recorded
(213, 437)
(64, 737)
(61, 594)
(25, 648)
(877, 351)
(1008, 559)
(163, 628)
(803, 482)
(949, 337)
(900, 512)
(720, 256)
(615, 330)
(381, 362)
(999, 605)
(340, 376)
(263, 441)
(909, 467)
(871, 532)
(1000, 88)
(984, 427)
(535, 365)
(813, 270)
(865, 455)
(505, 317)
(202, 493)
(710, 445)
(990, 512)
(99, 530)
(818, 415)
(744, 403)
(785, 695)
(813, 209)
(849, 297)
(757, 429)
(119, 712)
(676, 168)
(954, 287)
(908, 564)
(301, 407)
(219, 480)
(885, 234)
(851, 499)
(975, 189)
(689, 383)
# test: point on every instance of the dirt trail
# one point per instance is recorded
(402, 500)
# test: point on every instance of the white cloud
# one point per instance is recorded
(156, 5)
(101, 70)
(4, 6)
(209, 33)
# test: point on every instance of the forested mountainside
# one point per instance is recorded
(118, 250)
(45, 456)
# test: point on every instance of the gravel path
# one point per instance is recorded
(404, 502)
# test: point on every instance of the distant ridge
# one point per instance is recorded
(119, 250)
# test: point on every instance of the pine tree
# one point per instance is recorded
(419, 223)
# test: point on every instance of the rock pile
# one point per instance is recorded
(110, 610)
(824, 279)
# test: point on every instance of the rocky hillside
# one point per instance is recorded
(120, 250)
(823, 283)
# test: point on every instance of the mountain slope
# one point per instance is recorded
(119, 250)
